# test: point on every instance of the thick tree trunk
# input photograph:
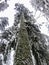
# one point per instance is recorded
(23, 54)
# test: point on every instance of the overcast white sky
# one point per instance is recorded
(9, 12)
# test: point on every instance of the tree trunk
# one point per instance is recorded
(23, 54)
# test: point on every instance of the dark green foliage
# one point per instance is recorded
(2, 48)
(3, 23)
(27, 14)
(37, 42)
(3, 6)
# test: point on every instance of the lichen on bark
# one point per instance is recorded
(23, 55)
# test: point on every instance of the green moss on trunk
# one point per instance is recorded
(23, 55)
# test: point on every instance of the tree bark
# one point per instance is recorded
(23, 55)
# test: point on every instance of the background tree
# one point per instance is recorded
(42, 6)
